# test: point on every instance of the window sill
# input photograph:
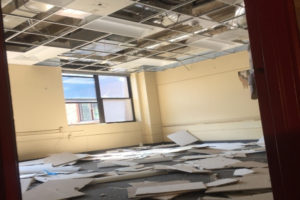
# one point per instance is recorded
(93, 123)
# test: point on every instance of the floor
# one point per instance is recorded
(118, 190)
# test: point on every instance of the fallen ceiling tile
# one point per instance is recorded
(195, 157)
(214, 163)
(130, 176)
(221, 182)
(242, 172)
(55, 190)
(182, 138)
(61, 159)
(169, 189)
(46, 168)
(25, 183)
(249, 164)
(67, 176)
(246, 183)
(206, 151)
(264, 196)
(132, 190)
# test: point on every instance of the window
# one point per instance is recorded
(97, 98)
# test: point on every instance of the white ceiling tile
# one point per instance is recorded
(236, 34)
(144, 61)
(99, 7)
(122, 27)
(35, 55)
(60, 3)
(213, 44)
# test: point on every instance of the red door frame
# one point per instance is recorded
(274, 40)
(275, 49)
(9, 174)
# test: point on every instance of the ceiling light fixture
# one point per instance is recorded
(182, 37)
(73, 13)
(153, 46)
(201, 31)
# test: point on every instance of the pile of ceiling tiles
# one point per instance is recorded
(60, 176)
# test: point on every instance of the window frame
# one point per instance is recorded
(99, 99)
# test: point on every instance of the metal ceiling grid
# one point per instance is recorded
(182, 23)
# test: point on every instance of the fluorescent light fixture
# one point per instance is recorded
(153, 46)
(182, 37)
(122, 27)
(201, 31)
(42, 7)
(73, 13)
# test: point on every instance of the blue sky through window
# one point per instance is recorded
(79, 88)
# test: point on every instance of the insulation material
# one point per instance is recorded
(55, 190)
(182, 138)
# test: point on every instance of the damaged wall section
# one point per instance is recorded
(208, 99)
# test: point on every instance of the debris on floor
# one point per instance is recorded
(185, 170)
(183, 138)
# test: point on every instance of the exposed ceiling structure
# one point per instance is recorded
(123, 35)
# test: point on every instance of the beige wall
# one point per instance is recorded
(149, 106)
(208, 99)
(40, 118)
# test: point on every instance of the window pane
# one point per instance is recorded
(113, 86)
(79, 88)
(82, 112)
(72, 113)
(117, 110)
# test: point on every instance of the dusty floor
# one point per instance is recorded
(118, 190)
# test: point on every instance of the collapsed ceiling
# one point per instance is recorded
(120, 36)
